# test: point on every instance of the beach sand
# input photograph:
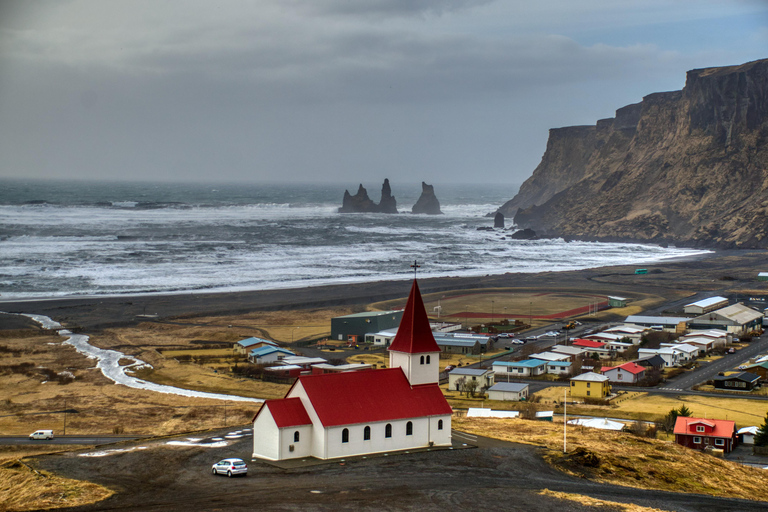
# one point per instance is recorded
(722, 272)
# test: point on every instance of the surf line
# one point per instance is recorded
(108, 361)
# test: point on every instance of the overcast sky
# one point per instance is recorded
(336, 90)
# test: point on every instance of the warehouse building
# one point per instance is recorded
(354, 327)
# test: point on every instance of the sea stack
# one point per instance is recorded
(428, 202)
(498, 220)
(361, 203)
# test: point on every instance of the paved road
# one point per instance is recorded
(494, 476)
(86, 440)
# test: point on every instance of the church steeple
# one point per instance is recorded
(414, 348)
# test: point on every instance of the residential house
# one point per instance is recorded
(572, 352)
(590, 385)
(390, 409)
(705, 344)
(700, 433)
(592, 347)
(685, 352)
(627, 373)
(458, 376)
(719, 337)
(505, 370)
(633, 332)
(747, 435)
(381, 338)
(759, 369)
(508, 391)
(244, 346)
(451, 345)
(550, 356)
(267, 354)
(670, 356)
(742, 381)
(559, 367)
(655, 362)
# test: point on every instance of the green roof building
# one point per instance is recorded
(358, 324)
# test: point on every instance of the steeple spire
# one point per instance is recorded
(414, 336)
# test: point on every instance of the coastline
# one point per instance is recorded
(704, 272)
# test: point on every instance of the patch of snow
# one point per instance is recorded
(202, 445)
(104, 453)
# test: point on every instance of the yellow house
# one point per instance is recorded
(590, 385)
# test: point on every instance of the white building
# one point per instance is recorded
(370, 411)
(705, 306)
(508, 391)
(670, 356)
(483, 377)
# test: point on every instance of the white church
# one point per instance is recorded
(363, 412)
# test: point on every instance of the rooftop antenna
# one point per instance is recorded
(415, 267)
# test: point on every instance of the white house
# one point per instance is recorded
(720, 338)
(370, 411)
(504, 370)
(670, 356)
(627, 373)
(268, 354)
(483, 377)
(633, 332)
(571, 352)
(559, 367)
(508, 391)
(381, 338)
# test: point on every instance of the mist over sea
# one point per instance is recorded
(78, 238)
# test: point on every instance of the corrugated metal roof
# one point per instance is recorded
(527, 363)
(590, 377)
(704, 303)
(656, 320)
(468, 371)
(511, 387)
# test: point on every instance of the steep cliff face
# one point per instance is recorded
(687, 166)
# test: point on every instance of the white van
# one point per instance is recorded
(41, 434)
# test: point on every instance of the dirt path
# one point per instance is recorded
(495, 476)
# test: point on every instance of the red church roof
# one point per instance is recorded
(287, 412)
(414, 336)
(370, 396)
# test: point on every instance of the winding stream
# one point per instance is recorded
(108, 361)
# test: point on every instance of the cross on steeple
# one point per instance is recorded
(415, 267)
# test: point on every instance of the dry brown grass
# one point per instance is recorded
(622, 459)
(597, 503)
(23, 488)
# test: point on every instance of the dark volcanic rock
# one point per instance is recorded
(498, 220)
(523, 234)
(687, 167)
(361, 203)
(387, 203)
(427, 202)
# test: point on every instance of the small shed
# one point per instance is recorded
(617, 302)
(762, 276)
(747, 435)
(508, 391)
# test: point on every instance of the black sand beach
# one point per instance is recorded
(720, 272)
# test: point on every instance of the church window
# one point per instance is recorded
(367, 433)
(409, 429)
(422, 360)
(427, 359)
(296, 437)
(439, 424)
(388, 430)
(345, 435)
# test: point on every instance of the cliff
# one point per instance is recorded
(687, 167)
(428, 202)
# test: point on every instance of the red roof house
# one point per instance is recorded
(355, 413)
(580, 342)
(627, 373)
(701, 433)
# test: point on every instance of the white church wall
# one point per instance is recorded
(266, 436)
(440, 437)
(415, 371)
(292, 449)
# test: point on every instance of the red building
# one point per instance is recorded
(700, 433)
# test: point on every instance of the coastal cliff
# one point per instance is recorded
(687, 167)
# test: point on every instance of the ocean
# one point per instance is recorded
(74, 238)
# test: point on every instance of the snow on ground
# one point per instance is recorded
(104, 453)
(108, 363)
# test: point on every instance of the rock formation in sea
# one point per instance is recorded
(428, 202)
(361, 203)
(687, 167)
(498, 220)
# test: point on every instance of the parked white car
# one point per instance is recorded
(42, 434)
(230, 467)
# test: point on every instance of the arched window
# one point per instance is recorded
(409, 429)
(367, 433)
(439, 424)
(427, 359)
(345, 435)
(296, 437)
(422, 360)
(388, 430)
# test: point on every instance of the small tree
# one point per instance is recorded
(761, 437)
(470, 387)
(684, 411)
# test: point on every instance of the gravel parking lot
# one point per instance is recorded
(155, 475)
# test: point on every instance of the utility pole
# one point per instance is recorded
(65, 417)
(225, 413)
(565, 419)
